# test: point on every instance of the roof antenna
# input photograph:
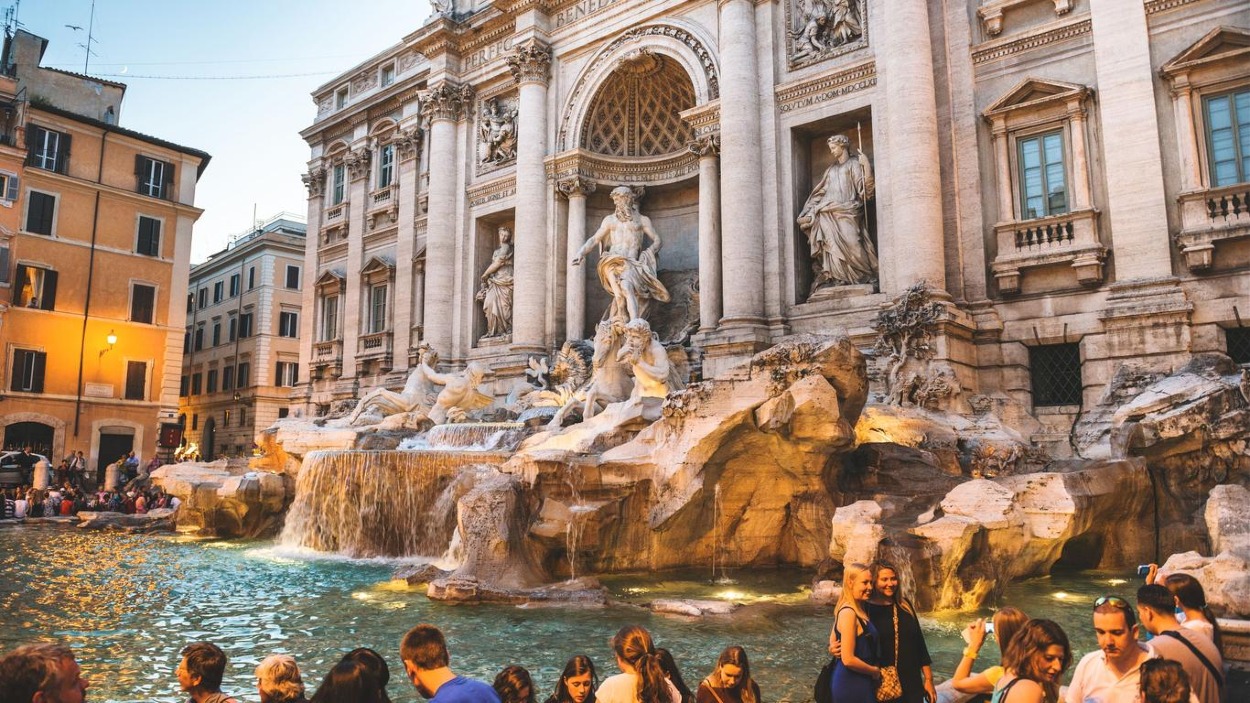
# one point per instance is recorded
(86, 61)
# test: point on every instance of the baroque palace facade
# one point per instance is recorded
(1069, 177)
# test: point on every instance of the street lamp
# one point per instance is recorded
(112, 340)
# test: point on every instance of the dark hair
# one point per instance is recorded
(669, 666)
(875, 569)
(736, 656)
(1108, 607)
(577, 666)
(1028, 644)
(207, 661)
(425, 647)
(349, 681)
(633, 645)
(376, 666)
(31, 669)
(1164, 681)
(1189, 593)
(1007, 622)
(510, 682)
(1156, 598)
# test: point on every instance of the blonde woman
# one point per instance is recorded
(857, 672)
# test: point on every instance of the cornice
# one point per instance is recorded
(1045, 36)
(491, 191)
(800, 94)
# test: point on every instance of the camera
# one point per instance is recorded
(1143, 569)
(989, 627)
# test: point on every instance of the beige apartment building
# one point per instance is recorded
(241, 344)
(95, 265)
(1070, 177)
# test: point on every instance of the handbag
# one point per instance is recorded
(890, 686)
(823, 692)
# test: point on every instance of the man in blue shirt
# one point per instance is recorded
(424, 651)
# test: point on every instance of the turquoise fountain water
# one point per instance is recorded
(127, 604)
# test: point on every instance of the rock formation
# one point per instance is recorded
(225, 503)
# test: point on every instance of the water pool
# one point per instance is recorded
(127, 604)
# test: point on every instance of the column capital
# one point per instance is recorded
(530, 62)
(315, 182)
(707, 146)
(408, 142)
(576, 186)
(447, 101)
(357, 161)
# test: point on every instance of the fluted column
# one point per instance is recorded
(708, 150)
(445, 104)
(408, 145)
(914, 245)
(742, 207)
(575, 189)
(531, 66)
(357, 162)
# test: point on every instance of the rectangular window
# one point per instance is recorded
(386, 165)
(190, 302)
(245, 325)
(142, 303)
(287, 374)
(47, 149)
(1055, 372)
(1237, 341)
(1228, 137)
(195, 421)
(292, 277)
(288, 324)
(251, 277)
(340, 99)
(184, 386)
(149, 243)
(227, 378)
(197, 385)
(155, 178)
(35, 288)
(242, 420)
(216, 334)
(234, 328)
(283, 412)
(212, 381)
(40, 212)
(199, 338)
(4, 263)
(136, 380)
(388, 74)
(1043, 189)
(330, 318)
(234, 285)
(203, 298)
(186, 342)
(243, 376)
(338, 184)
(377, 309)
(225, 419)
(28, 367)
(9, 186)
(219, 291)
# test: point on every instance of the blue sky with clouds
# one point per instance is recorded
(207, 55)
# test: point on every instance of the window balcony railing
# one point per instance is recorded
(1209, 217)
(1070, 237)
(328, 358)
(371, 346)
(337, 212)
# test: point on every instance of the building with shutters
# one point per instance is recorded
(240, 354)
(95, 245)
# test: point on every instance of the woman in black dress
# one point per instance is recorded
(886, 607)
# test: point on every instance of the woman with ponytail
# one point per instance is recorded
(1192, 601)
(642, 678)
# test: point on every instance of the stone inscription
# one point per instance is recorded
(580, 10)
(488, 53)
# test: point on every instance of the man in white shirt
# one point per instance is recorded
(1112, 674)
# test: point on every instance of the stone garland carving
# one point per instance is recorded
(822, 29)
(531, 63)
(707, 145)
(357, 162)
(904, 340)
(495, 295)
(446, 101)
(497, 133)
(833, 218)
(315, 182)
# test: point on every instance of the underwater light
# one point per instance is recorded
(361, 595)
(1117, 582)
(731, 595)
(1061, 595)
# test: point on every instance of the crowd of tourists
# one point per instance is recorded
(878, 649)
(68, 500)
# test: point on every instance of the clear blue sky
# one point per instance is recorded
(249, 125)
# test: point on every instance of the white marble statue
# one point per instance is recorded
(627, 265)
(496, 291)
(460, 394)
(823, 25)
(497, 129)
(380, 403)
(654, 375)
(833, 220)
(609, 375)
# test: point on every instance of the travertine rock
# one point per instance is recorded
(856, 533)
(1228, 519)
(692, 607)
(215, 501)
(1225, 579)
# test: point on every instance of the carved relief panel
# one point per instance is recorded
(496, 132)
(818, 30)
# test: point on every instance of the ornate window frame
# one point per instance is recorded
(1034, 107)
(328, 353)
(1216, 64)
(377, 271)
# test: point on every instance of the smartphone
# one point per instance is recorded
(989, 627)
(1143, 569)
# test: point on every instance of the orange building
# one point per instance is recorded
(97, 244)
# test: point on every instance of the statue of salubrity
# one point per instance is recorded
(496, 291)
(833, 220)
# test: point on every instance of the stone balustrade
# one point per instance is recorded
(372, 346)
(1212, 216)
(1071, 237)
(328, 356)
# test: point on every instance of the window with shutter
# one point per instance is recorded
(227, 378)
(197, 386)
(149, 243)
(219, 291)
(217, 334)
(47, 149)
(40, 212)
(211, 386)
(199, 339)
(136, 380)
(245, 325)
(4, 263)
(154, 178)
(234, 285)
(35, 288)
(292, 277)
(288, 324)
(8, 186)
(27, 372)
(143, 304)
(242, 379)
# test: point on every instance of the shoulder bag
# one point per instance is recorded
(890, 686)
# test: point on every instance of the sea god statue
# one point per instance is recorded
(627, 267)
(833, 220)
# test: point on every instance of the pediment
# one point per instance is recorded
(331, 278)
(1032, 92)
(378, 264)
(1220, 44)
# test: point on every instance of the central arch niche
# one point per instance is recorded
(637, 110)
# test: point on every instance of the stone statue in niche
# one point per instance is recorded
(497, 131)
(496, 291)
(822, 26)
(627, 265)
(834, 220)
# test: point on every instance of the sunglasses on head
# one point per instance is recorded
(1113, 601)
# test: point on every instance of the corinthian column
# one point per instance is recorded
(742, 207)
(575, 189)
(912, 248)
(531, 66)
(708, 149)
(445, 104)
(408, 144)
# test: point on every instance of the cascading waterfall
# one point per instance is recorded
(468, 436)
